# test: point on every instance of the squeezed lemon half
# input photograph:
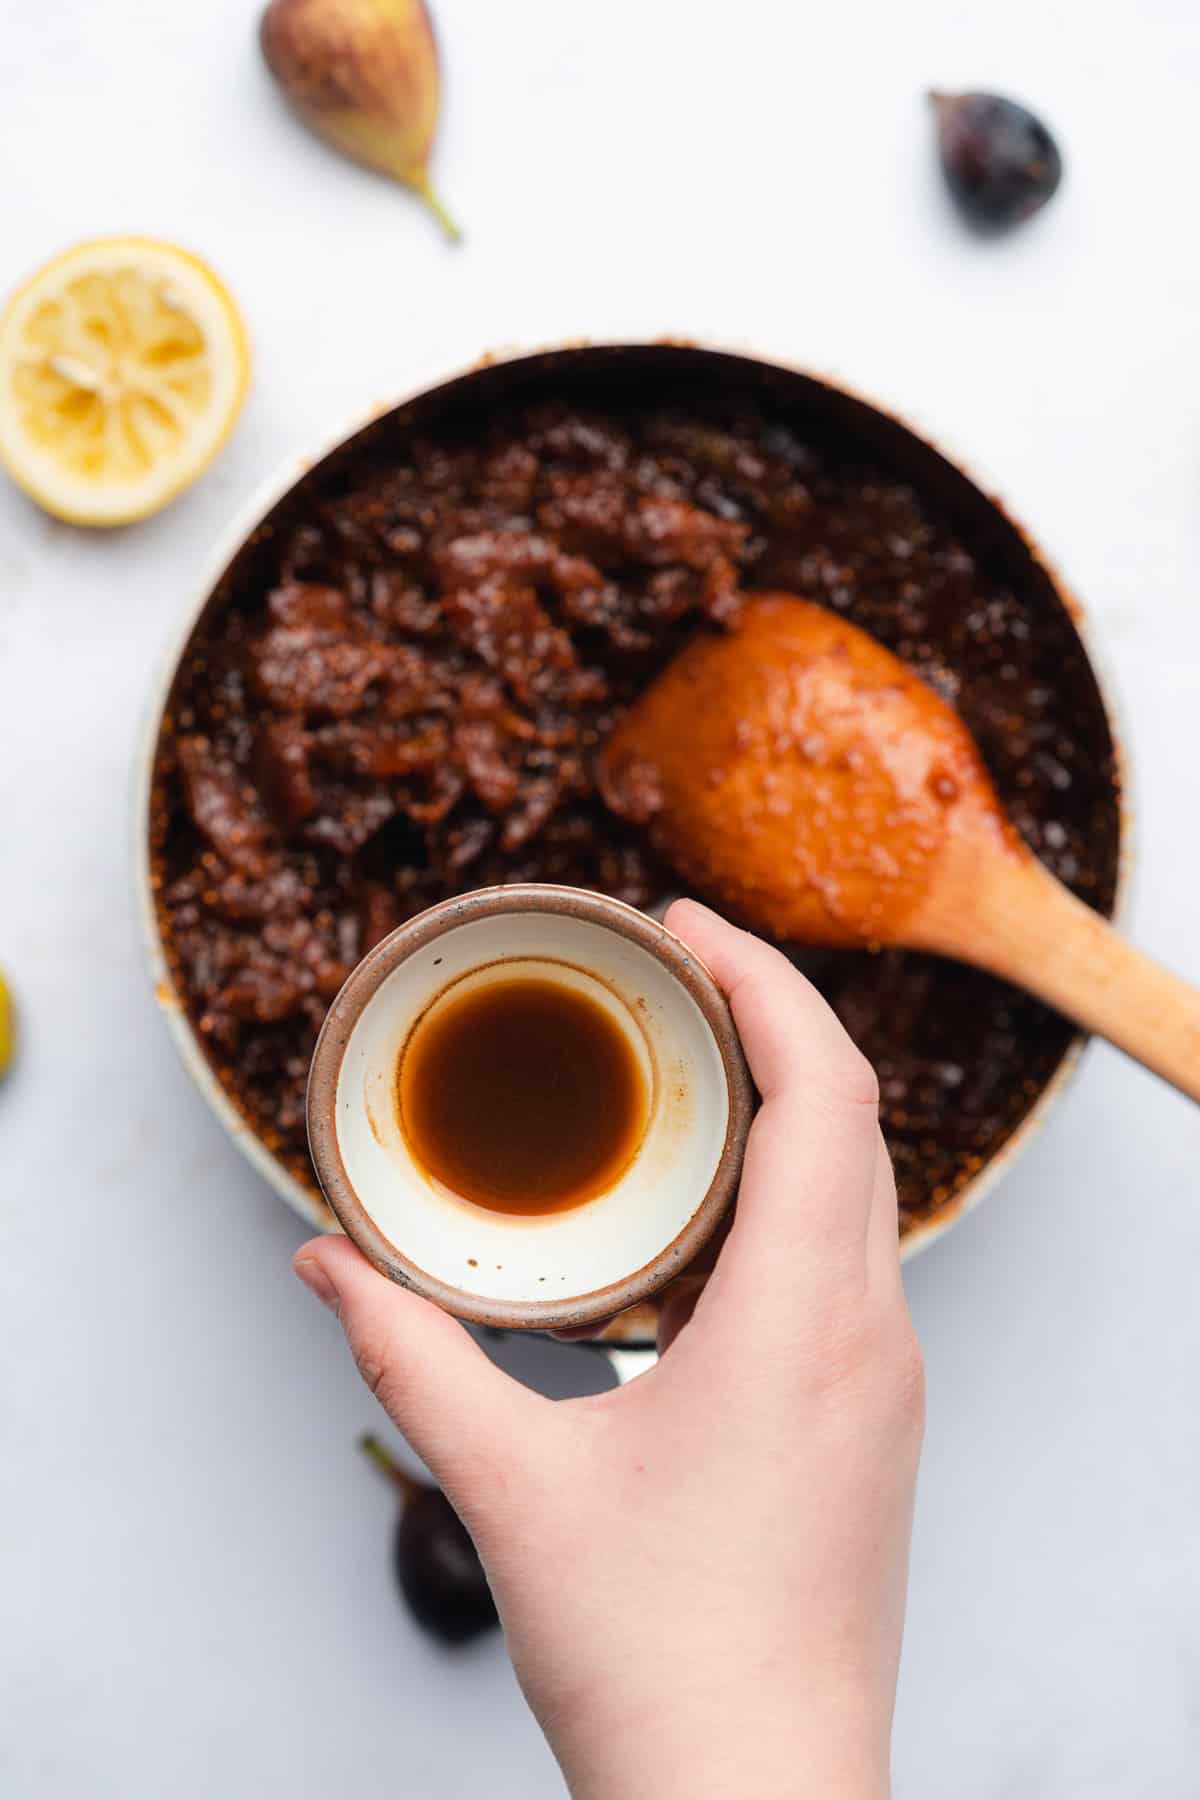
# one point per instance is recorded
(7, 1030)
(123, 366)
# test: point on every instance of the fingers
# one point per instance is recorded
(883, 1230)
(677, 1309)
(811, 1160)
(793, 1039)
(464, 1417)
(583, 1334)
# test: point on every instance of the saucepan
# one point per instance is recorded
(883, 520)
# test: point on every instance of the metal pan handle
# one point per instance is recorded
(627, 1364)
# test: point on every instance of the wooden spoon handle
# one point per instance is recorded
(1023, 924)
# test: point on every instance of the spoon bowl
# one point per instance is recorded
(802, 776)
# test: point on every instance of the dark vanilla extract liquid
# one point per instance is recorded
(523, 1096)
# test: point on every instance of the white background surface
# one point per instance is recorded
(194, 1590)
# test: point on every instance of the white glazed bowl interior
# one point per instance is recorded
(550, 1257)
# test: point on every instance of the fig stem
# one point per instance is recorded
(425, 188)
(384, 1460)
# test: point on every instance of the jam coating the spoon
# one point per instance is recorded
(799, 774)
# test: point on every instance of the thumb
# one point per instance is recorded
(464, 1417)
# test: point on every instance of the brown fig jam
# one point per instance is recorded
(400, 691)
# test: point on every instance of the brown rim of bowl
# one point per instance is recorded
(368, 977)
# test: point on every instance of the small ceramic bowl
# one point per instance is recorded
(551, 1270)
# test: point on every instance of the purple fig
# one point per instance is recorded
(437, 1565)
(1000, 162)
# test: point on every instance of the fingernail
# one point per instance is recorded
(316, 1281)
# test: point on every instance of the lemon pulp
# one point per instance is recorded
(123, 365)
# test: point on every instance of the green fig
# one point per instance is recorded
(363, 74)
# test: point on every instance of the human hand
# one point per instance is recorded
(701, 1575)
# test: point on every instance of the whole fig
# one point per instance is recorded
(1000, 162)
(362, 74)
(436, 1563)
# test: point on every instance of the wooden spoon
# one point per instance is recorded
(799, 774)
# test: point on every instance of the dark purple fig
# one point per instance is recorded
(436, 1563)
(1000, 162)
